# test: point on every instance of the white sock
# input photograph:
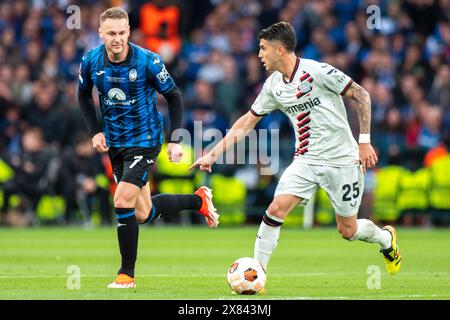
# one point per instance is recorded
(267, 239)
(369, 232)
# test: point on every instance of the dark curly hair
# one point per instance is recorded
(282, 32)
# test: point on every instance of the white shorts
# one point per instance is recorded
(344, 185)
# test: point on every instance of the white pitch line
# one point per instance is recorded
(158, 275)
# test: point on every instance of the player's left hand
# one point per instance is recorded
(368, 156)
(175, 152)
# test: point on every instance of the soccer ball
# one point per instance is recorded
(246, 276)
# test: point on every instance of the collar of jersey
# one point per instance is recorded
(293, 72)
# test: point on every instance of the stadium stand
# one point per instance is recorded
(210, 47)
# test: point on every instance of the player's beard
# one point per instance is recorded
(268, 66)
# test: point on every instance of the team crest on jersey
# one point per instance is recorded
(132, 75)
(116, 94)
(305, 87)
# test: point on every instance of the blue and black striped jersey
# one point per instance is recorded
(127, 94)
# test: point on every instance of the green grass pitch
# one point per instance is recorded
(191, 263)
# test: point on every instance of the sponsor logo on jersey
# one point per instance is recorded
(116, 94)
(311, 103)
(117, 97)
(132, 75)
(163, 75)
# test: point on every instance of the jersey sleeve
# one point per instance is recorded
(159, 77)
(84, 77)
(334, 79)
(265, 102)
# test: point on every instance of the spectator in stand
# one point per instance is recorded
(69, 61)
(252, 80)
(33, 58)
(430, 132)
(194, 54)
(439, 93)
(390, 138)
(12, 127)
(212, 71)
(70, 117)
(78, 183)
(414, 62)
(29, 174)
(8, 43)
(21, 85)
(228, 91)
(381, 101)
(50, 65)
(203, 110)
(42, 111)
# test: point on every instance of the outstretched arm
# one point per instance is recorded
(238, 131)
(363, 105)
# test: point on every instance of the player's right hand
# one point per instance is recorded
(368, 156)
(99, 143)
(204, 163)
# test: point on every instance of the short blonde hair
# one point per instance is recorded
(113, 13)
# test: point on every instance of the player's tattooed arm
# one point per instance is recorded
(361, 99)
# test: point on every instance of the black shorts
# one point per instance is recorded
(133, 164)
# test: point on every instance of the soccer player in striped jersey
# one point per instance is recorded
(326, 155)
(127, 78)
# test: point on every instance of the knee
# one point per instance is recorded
(276, 210)
(140, 218)
(123, 201)
(142, 215)
(347, 231)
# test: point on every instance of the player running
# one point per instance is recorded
(326, 154)
(127, 78)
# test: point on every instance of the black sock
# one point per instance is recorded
(127, 234)
(170, 204)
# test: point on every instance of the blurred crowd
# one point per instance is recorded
(210, 47)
